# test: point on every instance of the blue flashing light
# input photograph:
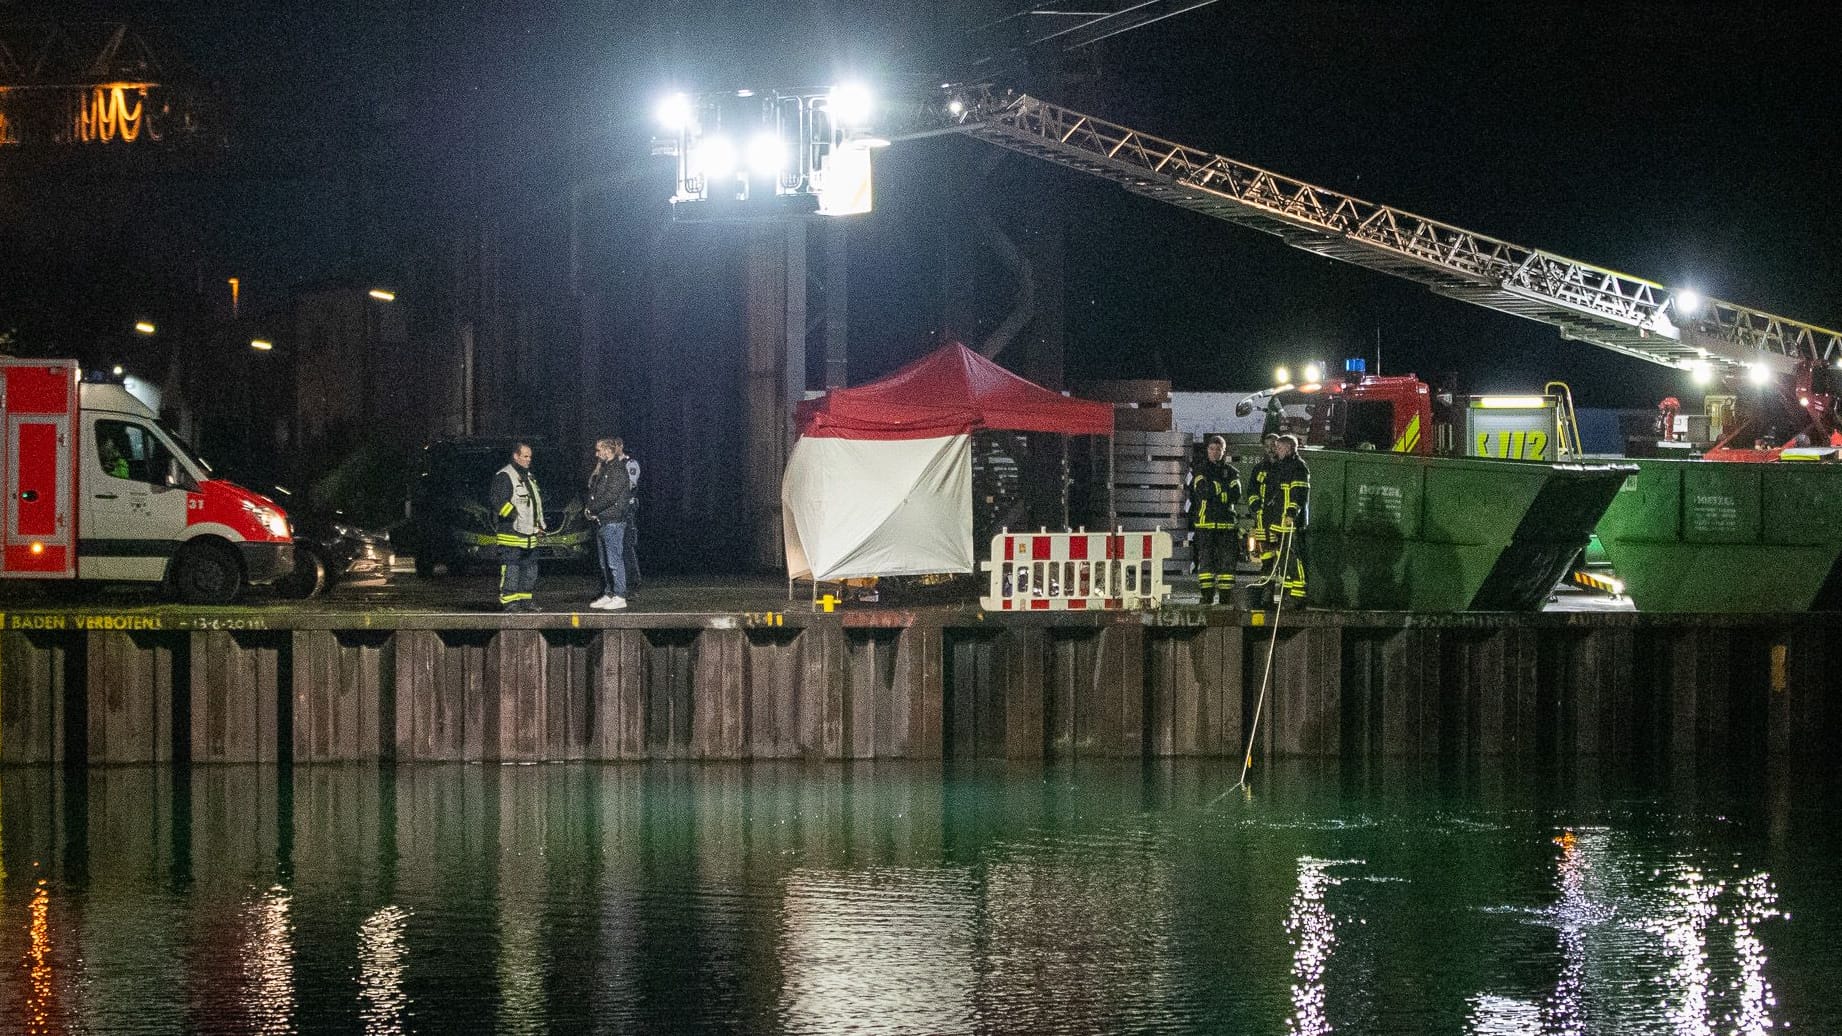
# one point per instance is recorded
(1355, 365)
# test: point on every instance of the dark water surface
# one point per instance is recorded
(866, 899)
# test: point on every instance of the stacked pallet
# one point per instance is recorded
(1138, 406)
(1148, 471)
(1148, 464)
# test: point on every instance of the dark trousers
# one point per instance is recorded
(1215, 557)
(517, 574)
(629, 548)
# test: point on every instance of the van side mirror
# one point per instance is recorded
(178, 478)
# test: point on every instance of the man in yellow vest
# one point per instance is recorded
(518, 520)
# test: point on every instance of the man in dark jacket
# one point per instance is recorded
(609, 505)
(1285, 512)
(1215, 487)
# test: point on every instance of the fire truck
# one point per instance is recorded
(98, 489)
(1399, 413)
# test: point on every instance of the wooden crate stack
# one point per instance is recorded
(1149, 464)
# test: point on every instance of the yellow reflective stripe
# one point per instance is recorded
(1410, 436)
(507, 509)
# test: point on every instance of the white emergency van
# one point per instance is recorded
(97, 488)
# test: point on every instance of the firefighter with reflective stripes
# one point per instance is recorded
(1285, 511)
(518, 520)
(1261, 547)
(1215, 489)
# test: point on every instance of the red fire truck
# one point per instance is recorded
(97, 488)
(1400, 414)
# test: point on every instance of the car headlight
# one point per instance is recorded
(272, 521)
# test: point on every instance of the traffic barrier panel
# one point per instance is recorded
(1072, 571)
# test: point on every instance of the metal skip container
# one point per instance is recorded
(1393, 531)
(1708, 536)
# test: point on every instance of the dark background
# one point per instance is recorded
(1689, 144)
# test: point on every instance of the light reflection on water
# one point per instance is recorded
(891, 900)
(383, 957)
(1314, 932)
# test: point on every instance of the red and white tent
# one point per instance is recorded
(880, 481)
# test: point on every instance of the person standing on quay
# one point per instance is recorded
(518, 520)
(1215, 487)
(609, 506)
(1286, 505)
(1257, 488)
(630, 542)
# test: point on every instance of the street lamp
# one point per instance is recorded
(261, 345)
(145, 327)
(382, 294)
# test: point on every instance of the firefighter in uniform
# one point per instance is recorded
(1284, 509)
(518, 520)
(1256, 505)
(1215, 488)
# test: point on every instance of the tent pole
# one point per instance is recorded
(1066, 524)
(1112, 509)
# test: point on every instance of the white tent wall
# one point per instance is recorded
(876, 507)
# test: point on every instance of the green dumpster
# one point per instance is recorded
(1395, 531)
(1710, 536)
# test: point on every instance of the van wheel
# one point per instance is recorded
(308, 577)
(206, 574)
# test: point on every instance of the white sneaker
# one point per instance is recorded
(616, 603)
(604, 601)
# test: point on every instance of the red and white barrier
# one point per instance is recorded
(1057, 571)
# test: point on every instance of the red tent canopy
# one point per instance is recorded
(949, 391)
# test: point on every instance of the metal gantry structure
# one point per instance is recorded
(1613, 310)
(90, 83)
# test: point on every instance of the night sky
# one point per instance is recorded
(1694, 145)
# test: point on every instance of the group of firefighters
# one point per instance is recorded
(1272, 519)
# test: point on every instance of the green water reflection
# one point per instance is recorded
(773, 898)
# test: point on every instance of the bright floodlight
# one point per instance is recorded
(850, 104)
(382, 294)
(144, 327)
(1313, 372)
(766, 154)
(1281, 375)
(956, 107)
(673, 112)
(1701, 373)
(116, 370)
(1759, 373)
(1688, 302)
(716, 157)
(261, 345)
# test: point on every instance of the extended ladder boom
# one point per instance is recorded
(1619, 312)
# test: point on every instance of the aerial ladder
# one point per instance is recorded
(1629, 315)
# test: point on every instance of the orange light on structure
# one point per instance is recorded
(37, 547)
(109, 112)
